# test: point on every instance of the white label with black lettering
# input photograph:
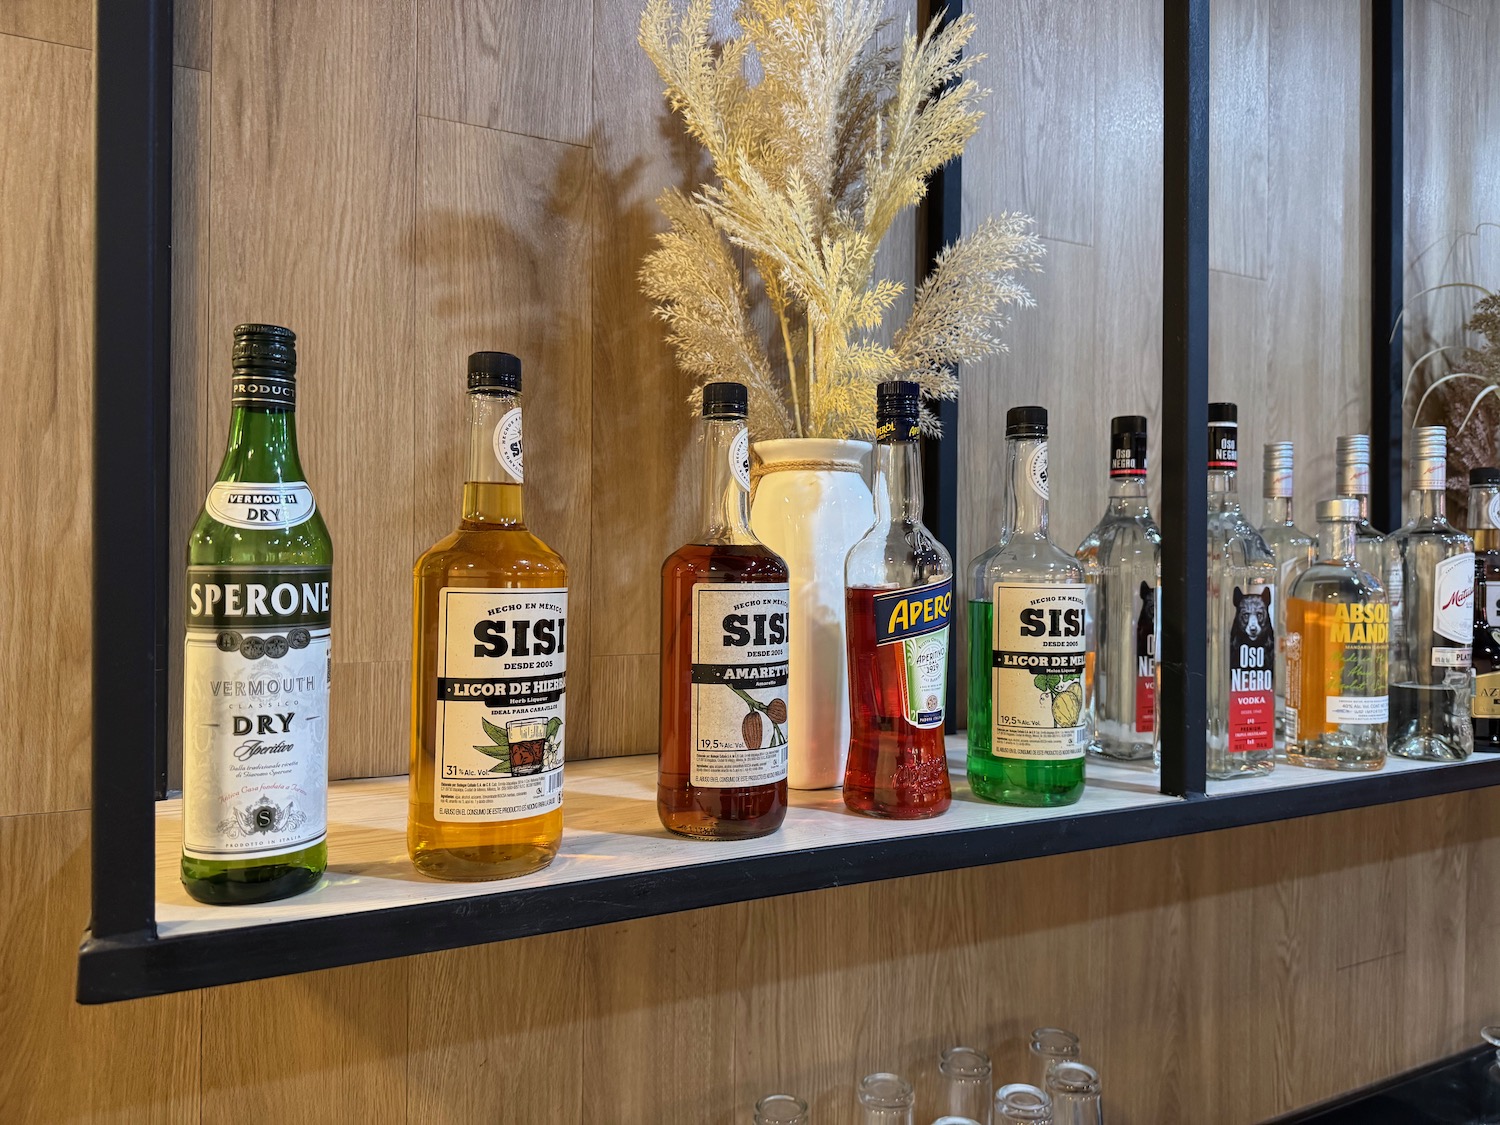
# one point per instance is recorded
(738, 704)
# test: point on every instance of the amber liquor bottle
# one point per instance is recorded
(489, 664)
(721, 774)
(1484, 526)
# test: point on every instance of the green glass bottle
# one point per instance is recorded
(257, 655)
(1029, 722)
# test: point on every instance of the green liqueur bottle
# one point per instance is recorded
(256, 662)
(1029, 724)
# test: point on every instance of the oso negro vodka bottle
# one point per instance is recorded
(1029, 726)
(721, 773)
(257, 658)
(1241, 618)
(1432, 627)
(489, 664)
(1294, 550)
(898, 602)
(1121, 558)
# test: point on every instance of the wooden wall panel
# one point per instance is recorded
(46, 279)
(313, 201)
(66, 22)
(192, 34)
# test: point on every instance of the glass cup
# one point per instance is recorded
(1050, 1045)
(1020, 1104)
(949, 1119)
(967, 1082)
(780, 1109)
(1075, 1093)
(886, 1099)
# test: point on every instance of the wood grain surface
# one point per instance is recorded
(1221, 978)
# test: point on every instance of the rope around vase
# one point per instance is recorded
(801, 464)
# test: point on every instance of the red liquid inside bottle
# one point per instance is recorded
(896, 769)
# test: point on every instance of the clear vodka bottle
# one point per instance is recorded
(1432, 627)
(1336, 648)
(1242, 597)
(1295, 550)
(1352, 469)
(1121, 563)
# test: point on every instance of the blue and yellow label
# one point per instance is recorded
(917, 619)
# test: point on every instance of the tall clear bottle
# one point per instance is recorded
(1029, 726)
(1294, 550)
(1121, 561)
(256, 658)
(1241, 614)
(489, 664)
(898, 601)
(1338, 634)
(1432, 628)
(721, 773)
(1352, 470)
(1484, 526)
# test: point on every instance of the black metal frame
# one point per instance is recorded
(122, 955)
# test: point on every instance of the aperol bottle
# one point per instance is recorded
(489, 634)
(721, 774)
(899, 596)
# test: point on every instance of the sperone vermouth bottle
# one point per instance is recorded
(489, 664)
(1029, 725)
(1121, 559)
(725, 601)
(257, 655)
(1294, 550)
(1242, 597)
(1432, 626)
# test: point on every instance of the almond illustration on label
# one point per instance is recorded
(752, 730)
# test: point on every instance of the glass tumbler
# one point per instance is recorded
(886, 1099)
(1050, 1045)
(780, 1109)
(1020, 1104)
(966, 1083)
(1075, 1093)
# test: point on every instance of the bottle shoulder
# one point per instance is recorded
(507, 556)
(212, 542)
(1327, 581)
(725, 562)
(1028, 559)
(897, 553)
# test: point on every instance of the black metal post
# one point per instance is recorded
(1184, 408)
(942, 226)
(132, 339)
(1387, 200)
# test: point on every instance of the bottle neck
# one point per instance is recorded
(1223, 490)
(1336, 539)
(1026, 497)
(1429, 504)
(1127, 496)
(726, 497)
(1277, 510)
(898, 482)
(262, 446)
(492, 489)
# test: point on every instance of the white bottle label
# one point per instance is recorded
(1036, 686)
(915, 622)
(501, 691)
(738, 701)
(1453, 611)
(274, 506)
(739, 458)
(1361, 709)
(507, 442)
(255, 710)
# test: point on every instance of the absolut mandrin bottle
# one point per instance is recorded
(1121, 560)
(898, 601)
(1241, 614)
(722, 769)
(257, 655)
(1029, 726)
(1484, 525)
(1294, 550)
(1432, 627)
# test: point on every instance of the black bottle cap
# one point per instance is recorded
(1223, 436)
(1223, 412)
(1127, 446)
(725, 402)
(494, 371)
(264, 347)
(1484, 476)
(1026, 422)
(898, 409)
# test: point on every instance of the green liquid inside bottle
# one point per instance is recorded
(1010, 781)
(256, 661)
